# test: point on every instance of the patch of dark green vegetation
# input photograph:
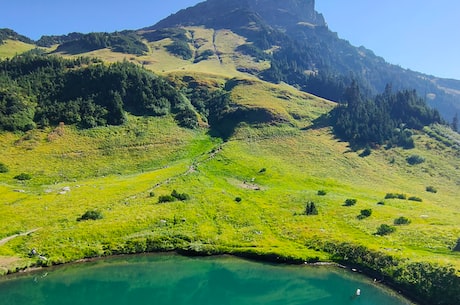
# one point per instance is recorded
(23, 177)
(396, 196)
(310, 208)
(402, 221)
(175, 195)
(415, 159)
(252, 50)
(385, 229)
(350, 202)
(90, 215)
(123, 42)
(3, 168)
(365, 213)
(431, 189)
(160, 34)
(385, 119)
(10, 34)
(321, 193)
(415, 198)
(180, 49)
(204, 55)
(457, 246)
(38, 90)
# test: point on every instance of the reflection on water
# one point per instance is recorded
(176, 280)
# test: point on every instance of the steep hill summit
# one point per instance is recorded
(220, 13)
(305, 53)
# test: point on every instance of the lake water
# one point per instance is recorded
(176, 280)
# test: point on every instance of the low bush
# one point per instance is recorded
(457, 246)
(415, 159)
(23, 177)
(431, 189)
(415, 198)
(402, 221)
(238, 199)
(180, 196)
(395, 196)
(322, 193)
(90, 215)
(350, 202)
(166, 198)
(365, 213)
(310, 208)
(3, 168)
(385, 229)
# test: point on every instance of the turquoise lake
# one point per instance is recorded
(176, 280)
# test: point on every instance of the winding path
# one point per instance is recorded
(7, 239)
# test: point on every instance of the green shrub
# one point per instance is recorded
(415, 198)
(23, 177)
(431, 189)
(415, 159)
(385, 229)
(322, 193)
(238, 199)
(3, 168)
(366, 152)
(263, 170)
(402, 221)
(381, 203)
(350, 202)
(366, 213)
(179, 196)
(457, 247)
(90, 215)
(166, 198)
(152, 194)
(395, 196)
(310, 208)
(181, 49)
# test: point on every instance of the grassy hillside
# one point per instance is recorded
(274, 169)
(11, 48)
(244, 195)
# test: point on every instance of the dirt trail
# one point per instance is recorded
(7, 239)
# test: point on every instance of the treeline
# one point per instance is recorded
(385, 119)
(39, 90)
(10, 34)
(123, 42)
(428, 283)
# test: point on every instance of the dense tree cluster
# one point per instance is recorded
(10, 34)
(123, 42)
(387, 118)
(434, 283)
(46, 90)
(39, 90)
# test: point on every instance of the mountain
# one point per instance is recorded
(198, 135)
(301, 45)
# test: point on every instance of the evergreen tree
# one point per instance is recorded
(455, 122)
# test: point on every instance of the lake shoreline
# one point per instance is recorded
(262, 258)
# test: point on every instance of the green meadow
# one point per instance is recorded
(247, 194)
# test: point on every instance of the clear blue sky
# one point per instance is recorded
(422, 35)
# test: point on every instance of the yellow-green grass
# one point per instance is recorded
(11, 48)
(224, 63)
(122, 171)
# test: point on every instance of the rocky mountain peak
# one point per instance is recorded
(223, 13)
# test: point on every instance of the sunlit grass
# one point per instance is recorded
(11, 48)
(274, 169)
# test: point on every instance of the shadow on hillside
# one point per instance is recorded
(320, 122)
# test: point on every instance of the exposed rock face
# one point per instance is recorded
(287, 13)
(229, 14)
